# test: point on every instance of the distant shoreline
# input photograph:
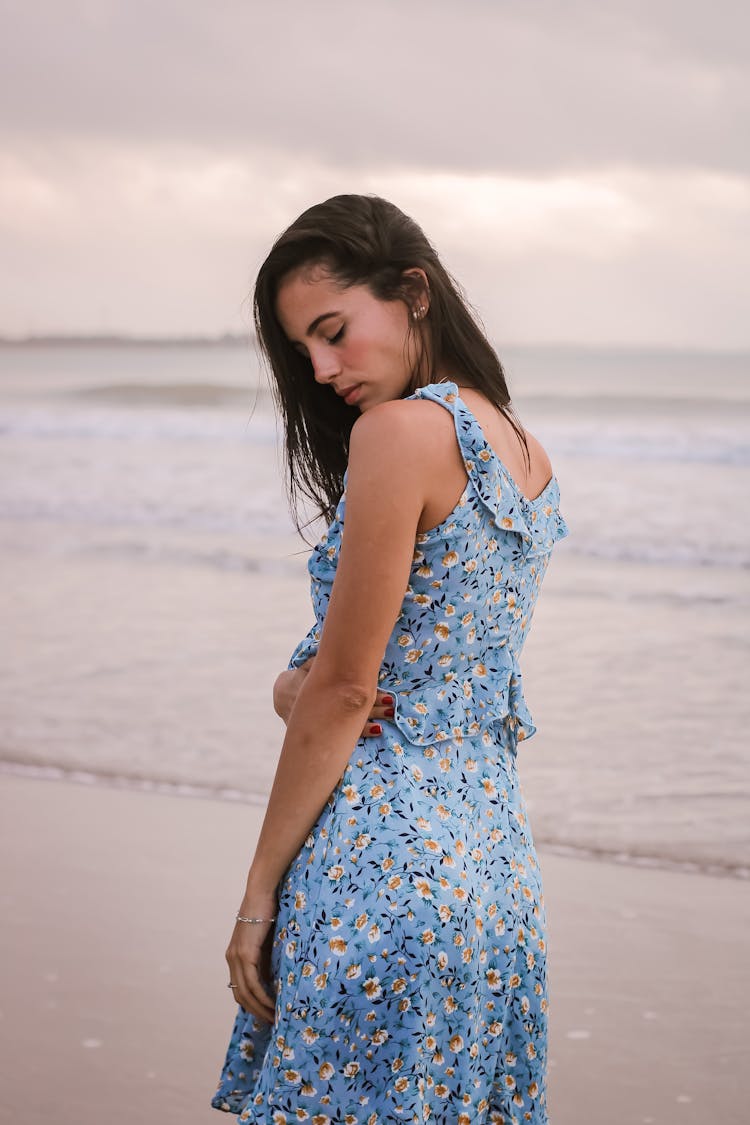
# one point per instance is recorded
(226, 339)
(239, 340)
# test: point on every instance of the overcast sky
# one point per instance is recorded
(583, 168)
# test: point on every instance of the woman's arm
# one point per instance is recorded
(388, 478)
(286, 689)
(390, 471)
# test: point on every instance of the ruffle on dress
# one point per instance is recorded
(537, 522)
(473, 701)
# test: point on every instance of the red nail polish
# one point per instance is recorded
(389, 712)
(387, 699)
(376, 729)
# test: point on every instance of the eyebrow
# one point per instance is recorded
(319, 320)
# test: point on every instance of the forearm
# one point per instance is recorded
(323, 728)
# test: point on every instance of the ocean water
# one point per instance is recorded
(154, 586)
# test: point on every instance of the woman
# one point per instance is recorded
(388, 956)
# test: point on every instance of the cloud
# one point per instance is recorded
(482, 86)
(168, 239)
(581, 167)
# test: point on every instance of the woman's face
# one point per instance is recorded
(354, 341)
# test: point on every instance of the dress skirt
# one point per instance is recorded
(409, 952)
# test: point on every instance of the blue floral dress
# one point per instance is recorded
(409, 951)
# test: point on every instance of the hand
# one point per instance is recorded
(286, 687)
(289, 682)
(382, 708)
(248, 956)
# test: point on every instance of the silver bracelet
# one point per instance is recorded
(241, 919)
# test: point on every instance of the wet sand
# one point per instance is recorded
(117, 907)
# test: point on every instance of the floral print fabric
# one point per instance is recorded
(409, 954)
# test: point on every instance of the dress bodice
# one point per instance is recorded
(451, 662)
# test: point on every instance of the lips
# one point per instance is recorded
(348, 390)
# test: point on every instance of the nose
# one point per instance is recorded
(326, 365)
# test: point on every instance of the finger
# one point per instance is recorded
(371, 730)
(382, 708)
(260, 1003)
(244, 996)
(243, 992)
(377, 714)
(385, 700)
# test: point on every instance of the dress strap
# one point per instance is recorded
(488, 476)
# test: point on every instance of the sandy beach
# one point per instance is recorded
(117, 906)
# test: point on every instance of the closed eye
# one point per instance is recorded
(339, 335)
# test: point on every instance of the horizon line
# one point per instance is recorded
(238, 339)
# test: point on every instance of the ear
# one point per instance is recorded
(418, 292)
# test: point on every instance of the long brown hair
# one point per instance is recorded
(362, 240)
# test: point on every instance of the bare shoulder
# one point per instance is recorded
(401, 430)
